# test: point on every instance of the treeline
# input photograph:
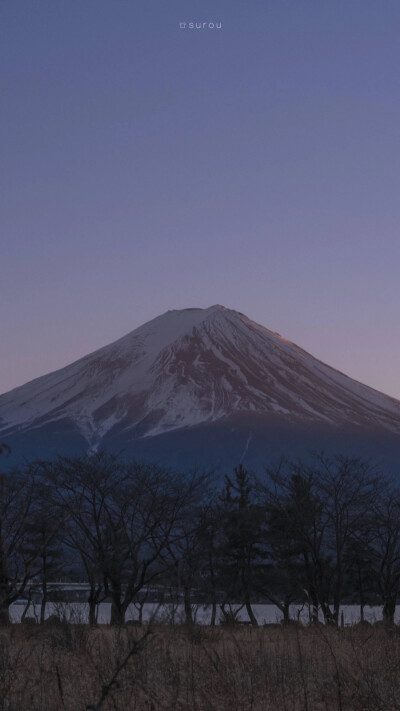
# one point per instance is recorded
(320, 534)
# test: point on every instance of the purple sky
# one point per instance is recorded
(146, 167)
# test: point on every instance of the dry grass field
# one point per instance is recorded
(273, 668)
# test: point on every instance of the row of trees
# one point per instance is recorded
(321, 534)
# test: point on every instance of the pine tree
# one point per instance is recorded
(242, 549)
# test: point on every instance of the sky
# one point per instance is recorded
(147, 166)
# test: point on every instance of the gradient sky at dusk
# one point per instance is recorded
(146, 167)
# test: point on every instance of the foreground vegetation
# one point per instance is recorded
(320, 534)
(288, 668)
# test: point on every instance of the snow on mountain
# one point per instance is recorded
(190, 367)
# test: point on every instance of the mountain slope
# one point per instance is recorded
(192, 368)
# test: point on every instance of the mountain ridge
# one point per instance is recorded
(189, 368)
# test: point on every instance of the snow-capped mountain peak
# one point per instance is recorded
(189, 367)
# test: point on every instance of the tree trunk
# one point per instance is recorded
(313, 606)
(92, 614)
(362, 606)
(213, 591)
(286, 611)
(4, 612)
(4, 603)
(28, 604)
(118, 610)
(43, 603)
(336, 610)
(389, 608)
(187, 606)
(250, 612)
(213, 613)
(361, 593)
(92, 610)
(4, 595)
(329, 616)
(44, 588)
(337, 595)
(93, 601)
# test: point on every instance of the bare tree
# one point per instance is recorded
(316, 512)
(243, 539)
(123, 517)
(19, 556)
(297, 522)
(188, 554)
(349, 488)
(386, 551)
(44, 541)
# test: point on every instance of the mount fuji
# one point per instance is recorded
(200, 386)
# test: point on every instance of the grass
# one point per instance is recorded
(273, 668)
